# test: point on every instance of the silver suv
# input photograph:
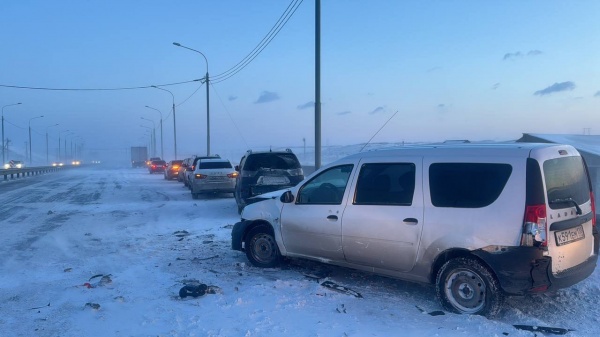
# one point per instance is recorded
(477, 221)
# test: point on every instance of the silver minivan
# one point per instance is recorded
(479, 221)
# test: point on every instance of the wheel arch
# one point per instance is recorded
(450, 254)
(251, 225)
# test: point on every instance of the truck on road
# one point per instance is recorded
(139, 155)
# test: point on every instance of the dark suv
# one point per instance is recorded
(266, 171)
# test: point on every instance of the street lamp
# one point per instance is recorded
(59, 143)
(148, 132)
(3, 148)
(65, 142)
(174, 127)
(162, 155)
(47, 159)
(30, 154)
(154, 136)
(207, 97)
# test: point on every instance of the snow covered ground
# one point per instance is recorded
(104, 252)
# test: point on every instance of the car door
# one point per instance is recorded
(382, 224)
(311, 226)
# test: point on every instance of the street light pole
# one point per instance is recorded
(174, 124)
(47, 157)
(162, 154)
(206, 81)
(30, 154)
(154, 135)
(59, 142)
(3, 147)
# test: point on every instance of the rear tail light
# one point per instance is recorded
(296, 172)
(534, 227)
(232, 175)
(153, 166)
(200, 176)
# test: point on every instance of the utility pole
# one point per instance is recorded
(317, 84)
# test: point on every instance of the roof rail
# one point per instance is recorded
(288, 150)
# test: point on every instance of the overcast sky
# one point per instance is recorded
(476, 70)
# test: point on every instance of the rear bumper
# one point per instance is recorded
(523, 270)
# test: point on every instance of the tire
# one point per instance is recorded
(465, 286)
(261, 248)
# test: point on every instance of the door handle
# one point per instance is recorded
(332, 217)
(411, 221)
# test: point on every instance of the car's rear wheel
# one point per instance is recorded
(261, 248)
(465, 286)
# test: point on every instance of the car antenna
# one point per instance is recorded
(384, 124)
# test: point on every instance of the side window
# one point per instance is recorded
(326, 188)
(386, 184)
(467, 185)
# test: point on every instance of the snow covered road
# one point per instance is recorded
(104, 252)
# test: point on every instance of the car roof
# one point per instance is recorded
(462, 149)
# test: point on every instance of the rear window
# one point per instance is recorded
(159, 162)
(176, 162)
(566, 179)
(278, 161)
(467, 185)
(214, 165)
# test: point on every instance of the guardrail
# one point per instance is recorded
(14, 173)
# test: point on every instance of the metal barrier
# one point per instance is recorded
(14, 173)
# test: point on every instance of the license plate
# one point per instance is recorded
(266, 180)
(569, 235)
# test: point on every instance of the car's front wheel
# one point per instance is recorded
(261, 248)
(465, 286)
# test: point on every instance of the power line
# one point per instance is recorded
(96, 89)
(228, 114)
(283, 19)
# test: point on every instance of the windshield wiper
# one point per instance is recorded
(567, 201)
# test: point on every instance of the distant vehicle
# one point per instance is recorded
(57, 163)
(139, 155)
(172, 169)
(14, 164)
(182, 169)
(265, 171)
(76, 162)
(213, 176)
(157, 166)
(189, 171)
(478, 222)
(149, 161)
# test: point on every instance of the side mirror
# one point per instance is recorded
(287, 197)
(237, 168)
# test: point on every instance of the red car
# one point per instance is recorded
(157, 166)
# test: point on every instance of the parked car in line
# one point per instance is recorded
(189, 171)
(182, 169)
(14, 164)
(477, 221)
(172, 169)
(265, 171)
(157, 166)
(149, 161)
(213, 176)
